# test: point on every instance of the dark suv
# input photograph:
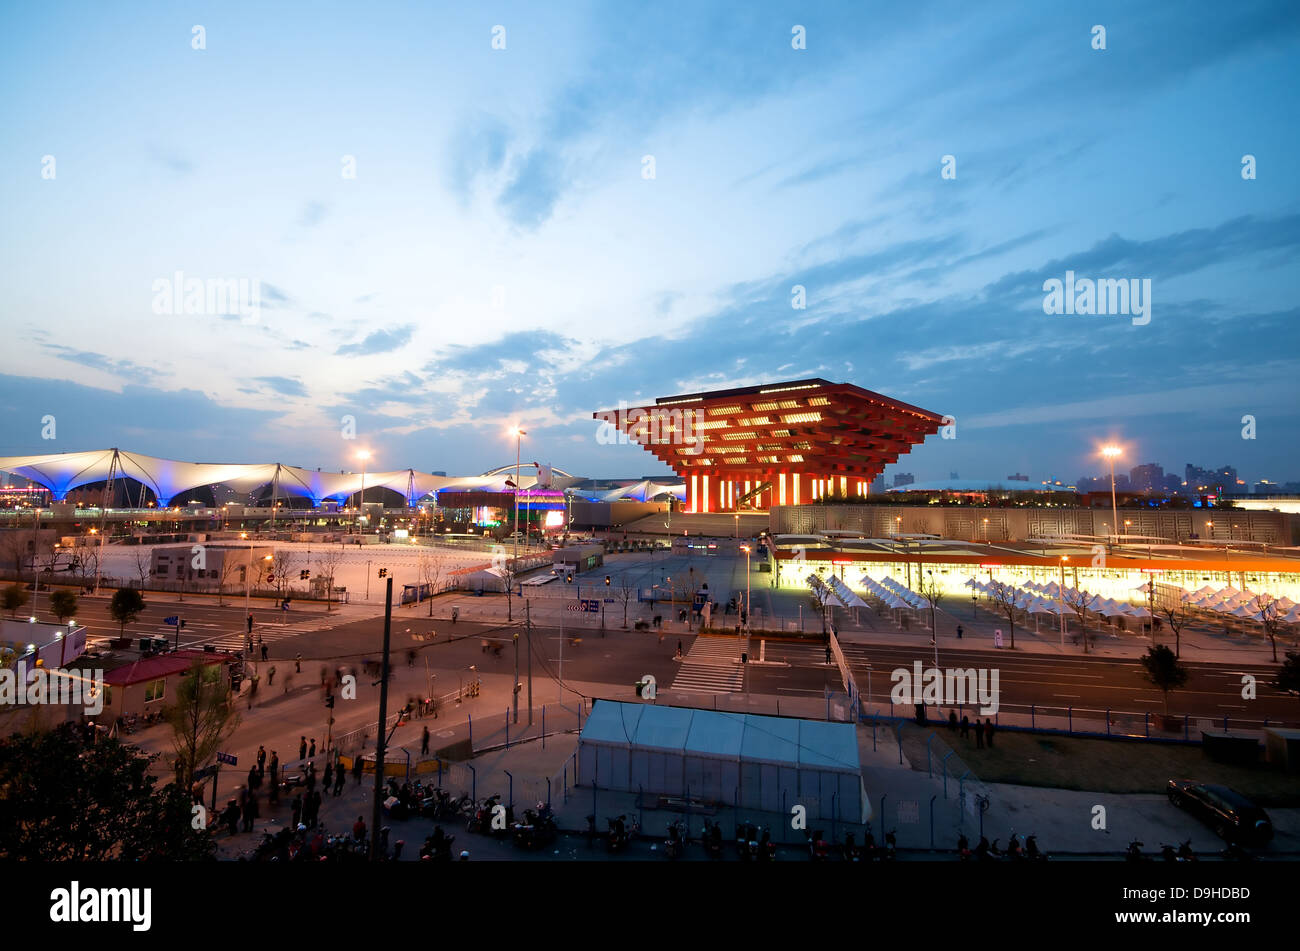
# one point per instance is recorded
(1233, 817)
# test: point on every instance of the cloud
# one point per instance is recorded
(283, 385)
(98, 361)
(534, 189)
(379, 341)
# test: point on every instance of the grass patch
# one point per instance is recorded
(1108, 766)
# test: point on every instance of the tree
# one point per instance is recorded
(327, 566)
(1288, 675)
(63, 604)
(280, 567)
(932, 591)
(431, 567)
(226, 573)
(1269, 615)
(1177, 615)
(1164, 670)
(13, 598)
(1078, 601)
(1004, 595)
(66, 799)
(624, 595)
(125, 607)
(142, 565)
(15, 547)
(202, 718)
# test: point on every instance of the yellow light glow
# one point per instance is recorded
(1110, 451)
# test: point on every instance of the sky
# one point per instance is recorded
(451, 238)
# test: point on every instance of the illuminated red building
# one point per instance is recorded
(777, 444)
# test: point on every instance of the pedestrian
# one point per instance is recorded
(358, 767)
(329, 777)
(424, 742)
(410, 658)
(965, 727)
(338, 779)
(679, 648)
(275, 764)
(297, 809)
(979, 734)
(311, 778)
(315, 798)
(265, 652)
(250, 624)
(196, 792)
(312, 751)
(828, 655)
(261, 759)
(302, 748)
(249, 812)
(952, 720)
(254, 777)
(988, 732)
(359, 829)
(270, 677)
(298, 663)
(959, 632)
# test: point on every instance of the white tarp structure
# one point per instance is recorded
(166, 478)
(753, 762)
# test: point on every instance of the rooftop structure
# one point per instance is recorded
(776, 444)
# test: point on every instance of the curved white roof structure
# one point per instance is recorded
(62, 472)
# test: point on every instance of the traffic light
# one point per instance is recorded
(383, 572)
(606, 581)
(304, 574)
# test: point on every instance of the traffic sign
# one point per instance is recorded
(205, 772)
(228, 758)
(173, 620)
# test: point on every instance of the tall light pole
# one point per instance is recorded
(1110, 452)
(748, 607)
(519, 434)
(364, 456)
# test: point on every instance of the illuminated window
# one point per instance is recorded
(789, 404)
(723, 410)
(818, 401)
(780, 432)
(734, 436)
(802, 418)
(796, 458)
(763, 407)
(754, 421)
(714, 424)
(153, 690)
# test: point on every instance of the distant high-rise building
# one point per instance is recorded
(1264, 487)
(877, 485)
(1017, 478)
(903, 478)
(443, 474)
(1202, 480)
(1147, 478)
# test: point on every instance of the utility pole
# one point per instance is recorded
(528, 626)
(381, 735)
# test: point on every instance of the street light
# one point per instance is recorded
(1110, 452)
(518, 434)
(364, 456)
(748, 607)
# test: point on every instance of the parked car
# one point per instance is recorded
(1233, 817)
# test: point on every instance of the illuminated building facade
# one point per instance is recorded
(776, 444)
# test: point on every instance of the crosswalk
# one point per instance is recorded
(712, 665)
(269, 633)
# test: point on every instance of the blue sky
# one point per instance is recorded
(499, 256)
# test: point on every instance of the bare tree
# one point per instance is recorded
(327, 565)
(509, 574)
(229, 569)
(142, 559)
(202, 718)
(1004, 595)
(932, 591)
(431, 569)
(624, 595)
(15, 546)
(280, 567)
(1078, 601)
(1177, 615)
(1269, 615)
(85, 563)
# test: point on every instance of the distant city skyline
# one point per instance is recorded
(235, 252)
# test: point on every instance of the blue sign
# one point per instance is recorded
(173, 620)
(591, 605)
(228, 759)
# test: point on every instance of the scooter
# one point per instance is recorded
(851, 852)
(617, 837)
(1134, 852)
(963, 848)
(818, 848)
(1031, 850)
(712, 839)
(767, 848)
(891, 846)
(1185, 853)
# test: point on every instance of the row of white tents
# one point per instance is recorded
(1247, 604)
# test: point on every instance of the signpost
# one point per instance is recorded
(229, 760)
